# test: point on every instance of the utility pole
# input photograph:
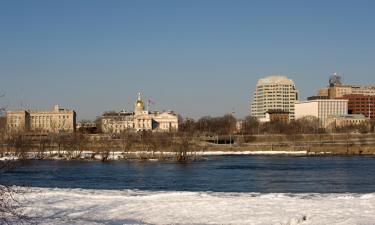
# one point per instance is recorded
(369, 112)
(369, 108)
(230, 136)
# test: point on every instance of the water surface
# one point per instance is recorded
(265, 174)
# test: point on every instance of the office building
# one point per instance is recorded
(274, 93)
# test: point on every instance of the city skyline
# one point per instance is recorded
(196, 58)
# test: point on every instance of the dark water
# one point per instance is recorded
(217, 173)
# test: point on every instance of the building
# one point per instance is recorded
(316, 97)
(278, 115)
(321, 109)
(274, 93)
(323, 92)
(56, 121)
(139, 120)
(18, 120)
(337, 121)
(361, 104)
(87, 127)
(337, 89)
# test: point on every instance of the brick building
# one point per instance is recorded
(361, 104)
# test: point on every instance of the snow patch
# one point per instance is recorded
(84, 206)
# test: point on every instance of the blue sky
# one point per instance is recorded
(195, 57)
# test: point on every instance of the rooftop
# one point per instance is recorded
(275, 79)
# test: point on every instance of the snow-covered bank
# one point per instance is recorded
(80, 206)
(253, 153)
(54, 155)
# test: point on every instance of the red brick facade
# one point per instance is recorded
(361, 104)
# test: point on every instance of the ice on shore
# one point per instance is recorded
(82, 206)
(120, 155)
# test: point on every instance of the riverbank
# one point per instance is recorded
(89, 155)
(83, 206)
(173, 156)
(184, 148)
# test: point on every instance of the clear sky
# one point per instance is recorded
(196, 57)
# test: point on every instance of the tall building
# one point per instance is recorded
(274, 93)
(321, 109)
(139, 120)
(57, 120)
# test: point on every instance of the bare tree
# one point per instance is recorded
(11, 210)
(11, 205)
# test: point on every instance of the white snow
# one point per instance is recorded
(82, 206)
(8, 158)
(120, 155)
(253, 153)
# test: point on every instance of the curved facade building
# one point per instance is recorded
(274, 93)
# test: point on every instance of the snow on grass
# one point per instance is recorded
(253, 153)
(120, 155)
(82, 206)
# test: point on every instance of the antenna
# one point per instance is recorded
(335, 80)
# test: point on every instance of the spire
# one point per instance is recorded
(139, 96)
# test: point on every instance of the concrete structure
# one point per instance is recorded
(337, 121)
(321, 109)
(274, 92)
(361, 104)
(57, 120)
(139, 120)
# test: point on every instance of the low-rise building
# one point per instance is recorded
(321, 109)
(139, 120)
(57, 120)
(278, 115)
(87, 127)
(346, 120)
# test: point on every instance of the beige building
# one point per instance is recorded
(322, 92)
(18, 120)
(57, 120)
(337, 89)
(346, 120)
(274, 93)
(139, 120)
(340, 91)
(321, 109)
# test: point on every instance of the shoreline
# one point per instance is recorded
(161, 156)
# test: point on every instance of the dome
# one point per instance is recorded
(139, 104)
